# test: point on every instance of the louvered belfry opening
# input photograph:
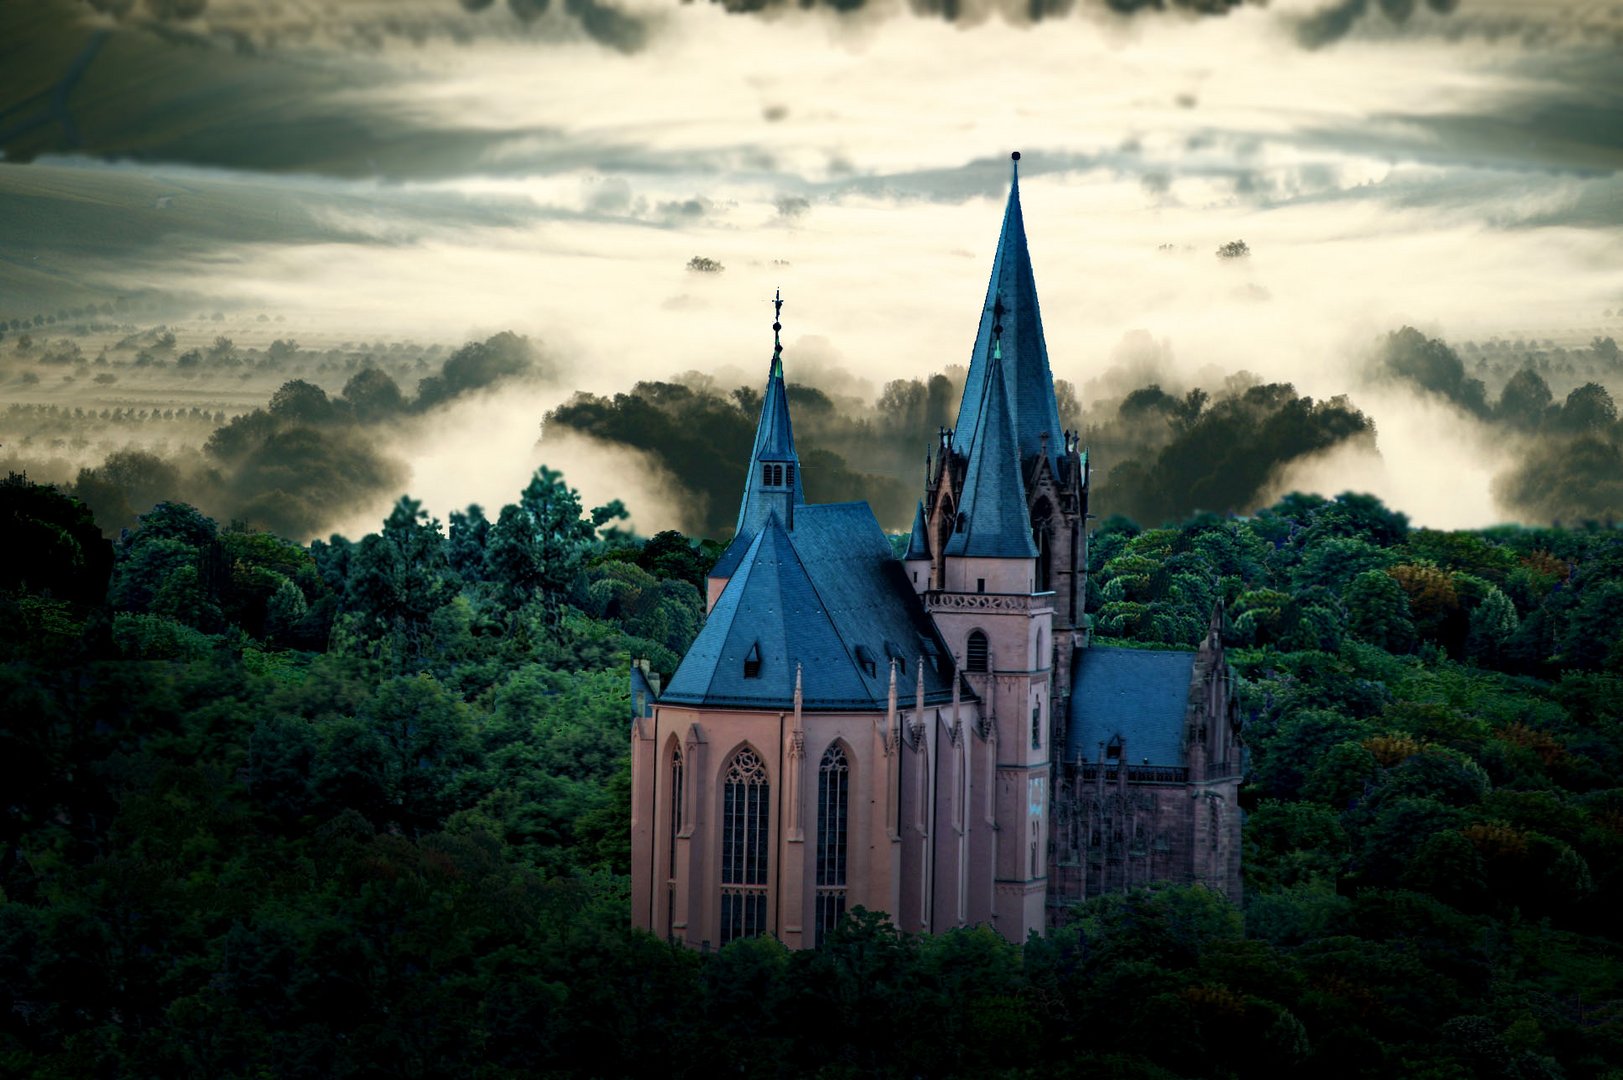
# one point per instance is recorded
(833, 807)
(746, 837)
(977, 652)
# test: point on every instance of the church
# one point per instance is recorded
(933, 736)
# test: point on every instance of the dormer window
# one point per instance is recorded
(1113, 751)
(869, 666)
(963, 520)
(752, 662)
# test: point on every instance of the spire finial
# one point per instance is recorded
(1015, 157)
(777, 325)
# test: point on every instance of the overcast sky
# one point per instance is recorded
(445, 173)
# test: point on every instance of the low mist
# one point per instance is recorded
(307, 461)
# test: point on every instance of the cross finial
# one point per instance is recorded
(777, 325)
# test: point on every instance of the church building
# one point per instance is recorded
(931, 736)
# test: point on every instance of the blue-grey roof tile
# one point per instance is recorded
(993, 521)
(1139, 695)
(1027, 379)
(774, 442)
(732, 556)
(918, 544)
(827, 595)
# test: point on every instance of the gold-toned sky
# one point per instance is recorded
(365, 168)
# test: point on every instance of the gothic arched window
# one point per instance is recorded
(746, 838)
(833, 803)
(676, 827)
(789, 475)
(766, 473)
(977, 652)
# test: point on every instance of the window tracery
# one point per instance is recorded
(833, 808)
(745, 842)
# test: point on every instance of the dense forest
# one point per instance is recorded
(360, 809)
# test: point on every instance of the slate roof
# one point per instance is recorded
(1138, 694)
(1027, 379)
(730, 558)
(994, 519)
(918, 544)
(831, 596)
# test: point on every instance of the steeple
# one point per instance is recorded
(918, 545)
(1027, 381)
(773, 481)
(993, 522)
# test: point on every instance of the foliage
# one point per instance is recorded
(360, 808)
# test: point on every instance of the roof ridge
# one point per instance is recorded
(821, 603)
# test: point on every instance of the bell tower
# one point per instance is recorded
(1004, 527)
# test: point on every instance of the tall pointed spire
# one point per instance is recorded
(773, 481)
(1027, 380)
(993, 522)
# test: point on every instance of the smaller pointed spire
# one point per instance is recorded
(918, 545)
(994, 520)
(776, 487)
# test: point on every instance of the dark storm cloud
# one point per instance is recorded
(305, 461)
(138, 94)
(154, 90)
(1015, 10)
(1560, 110)
(603, 23)
(1339, 19)
(70, 235)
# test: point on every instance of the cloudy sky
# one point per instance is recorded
(445, 170)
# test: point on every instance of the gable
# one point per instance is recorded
(829, 596)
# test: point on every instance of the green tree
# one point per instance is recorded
(396, 579)
(1378, 611)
